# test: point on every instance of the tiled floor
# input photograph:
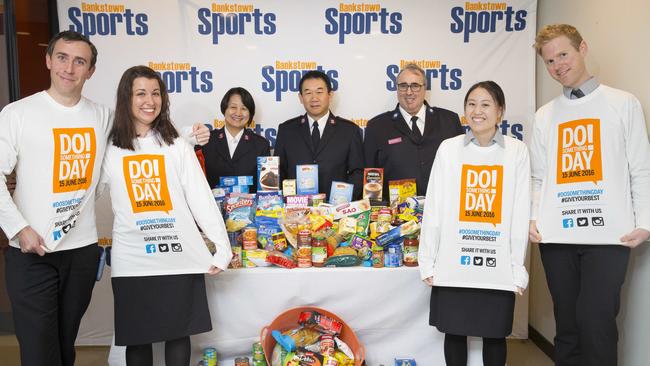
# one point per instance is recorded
(520, 353)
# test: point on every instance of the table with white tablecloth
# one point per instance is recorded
(388, 309)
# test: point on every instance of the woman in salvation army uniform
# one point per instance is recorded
(475, 230)
(233, 149)
(158, 195)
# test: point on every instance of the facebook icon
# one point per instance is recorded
(464, 260)
(567, 223)
(151, 248)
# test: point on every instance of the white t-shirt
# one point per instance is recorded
(57, 154)
(159, 194)
(475, 222)
(591, 168)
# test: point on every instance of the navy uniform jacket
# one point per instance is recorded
(339, 155)
(218, 162)
(389, 144)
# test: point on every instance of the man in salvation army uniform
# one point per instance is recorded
(320, 137)
(404, 141)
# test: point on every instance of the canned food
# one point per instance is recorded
(249, 238)
(242, 361)
(258, 353)
(304, 238)
(304, 256)
(411, 245)
(209, 356)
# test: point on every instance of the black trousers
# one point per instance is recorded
(585, 283)
(49, 295)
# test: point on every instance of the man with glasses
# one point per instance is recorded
(404, 141)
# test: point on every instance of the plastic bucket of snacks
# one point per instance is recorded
(310, 327)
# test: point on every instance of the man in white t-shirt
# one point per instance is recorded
(54, 140)
(590, 162)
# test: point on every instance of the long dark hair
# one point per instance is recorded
(123, 132)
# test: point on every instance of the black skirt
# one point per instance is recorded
(472, 312)
(159, 308)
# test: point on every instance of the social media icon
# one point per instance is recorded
(176, 247)
(567, 223)
(582, 221)
(163, 248)
(478, 261)
(597, 221)
(490, 262)
(57, 234)
(465, 260)
(151, 248)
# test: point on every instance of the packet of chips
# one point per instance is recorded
(319, 322)
(240, 211)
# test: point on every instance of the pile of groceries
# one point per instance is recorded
(315, 341)
(294, 226)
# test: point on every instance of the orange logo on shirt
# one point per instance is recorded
(74, 159)
(146, 183)
(578, 152)
(480, 193)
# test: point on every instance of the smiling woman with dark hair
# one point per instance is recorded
(233, 149)
(475, 230)
(158, 196)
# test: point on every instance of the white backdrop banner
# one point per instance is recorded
(203, 48)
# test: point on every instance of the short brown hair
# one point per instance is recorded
(123, 131)
(552, 31)
(72, 36)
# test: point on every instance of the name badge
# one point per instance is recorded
(394, 141)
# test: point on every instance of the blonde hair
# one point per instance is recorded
(552, 31)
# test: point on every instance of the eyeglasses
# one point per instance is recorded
(415, 87)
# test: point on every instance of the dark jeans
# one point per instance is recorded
(49, 295)
(585, 283)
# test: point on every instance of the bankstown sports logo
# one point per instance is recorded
(438, 75)
(106, 19)
(361, 18)
(284, 76)
(507, 128)
(181, 76)
(486, 17)
(234, 19)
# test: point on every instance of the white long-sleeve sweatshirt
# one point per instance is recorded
(590, 162)
(158, 195)
(57, 154)
(475, 222)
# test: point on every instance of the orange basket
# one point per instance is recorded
(289, 320)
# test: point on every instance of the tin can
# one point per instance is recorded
(258, 355)
(411, 245)
(318, 252)
(327, 345)
(242, 361)
(304, 256)
(304, 238)
(209, 356)
(377, 256)
(249, 238)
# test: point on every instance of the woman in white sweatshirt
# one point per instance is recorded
(158, 194)
(474, 230)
